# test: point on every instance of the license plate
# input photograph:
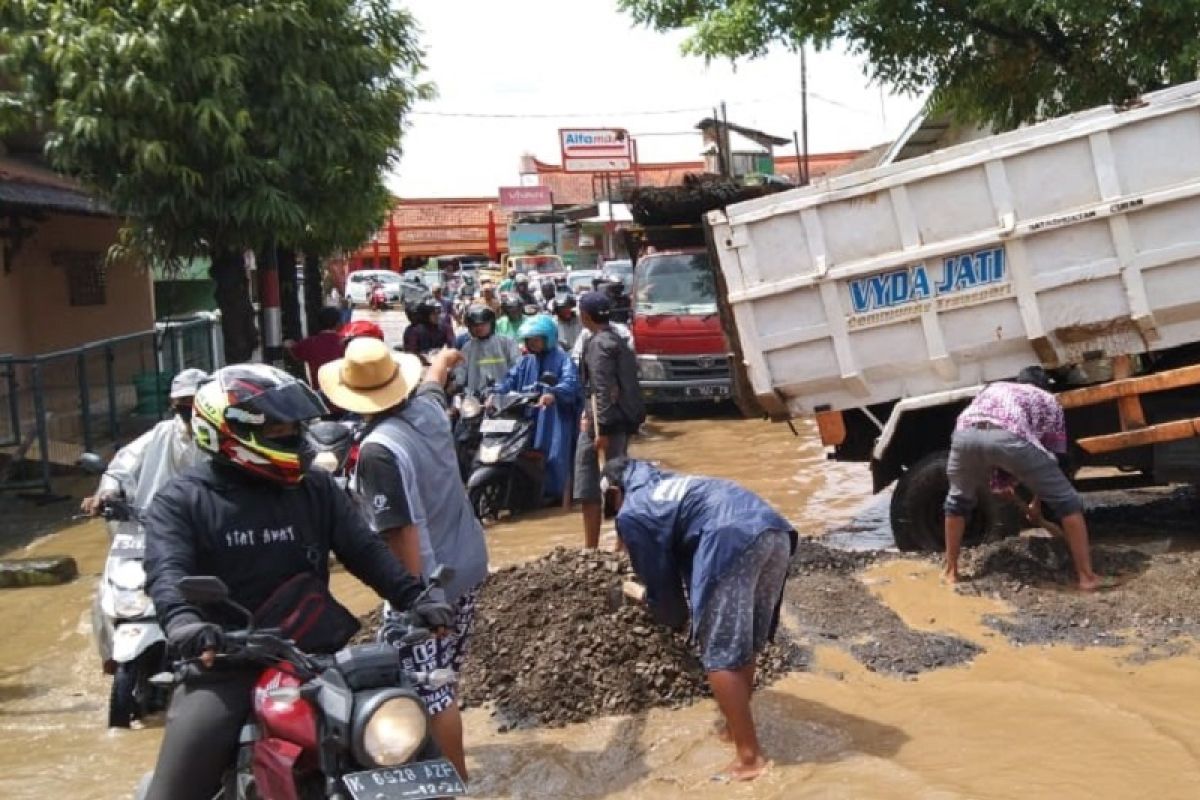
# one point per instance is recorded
(498, 426)
(706, 391)
(437, 778)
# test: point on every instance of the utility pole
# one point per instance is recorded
(803, 169)
(725, 143)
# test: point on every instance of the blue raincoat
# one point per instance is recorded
(556, 426)
(684, 532)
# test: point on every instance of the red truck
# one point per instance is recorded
(683, 355)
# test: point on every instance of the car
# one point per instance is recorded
(360, 282)
(580, 280)
(620, 269)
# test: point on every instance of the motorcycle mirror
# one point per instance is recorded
(549, 378)
(203, 590)
(92, 463)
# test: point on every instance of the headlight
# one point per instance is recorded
(131, 603)
(651, 369)
(489, 453)
(389, 729)
(471, 407)
(128, 575)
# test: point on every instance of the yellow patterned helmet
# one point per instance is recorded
(232, 413)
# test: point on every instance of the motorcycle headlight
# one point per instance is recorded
(651, 369)
(389, 728)
(131, 603)
(471, 407)
(129, 575)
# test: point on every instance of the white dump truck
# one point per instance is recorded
(881, 301)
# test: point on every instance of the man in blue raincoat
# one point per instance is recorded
(556, 426)
(708, 549)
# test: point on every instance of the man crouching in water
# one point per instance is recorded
(711, 548)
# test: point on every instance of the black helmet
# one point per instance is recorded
(510, 303)
(428, 310)
(549, 287)
(481, 315)
(563, 301)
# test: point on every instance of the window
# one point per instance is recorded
(87, 276)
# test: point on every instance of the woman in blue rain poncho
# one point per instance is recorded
(559, 413)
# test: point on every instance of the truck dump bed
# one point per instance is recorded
(1073, 239)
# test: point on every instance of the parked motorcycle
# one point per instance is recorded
(348, 726)
(129, 639)
(508, 472)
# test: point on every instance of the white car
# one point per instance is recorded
(407, 288)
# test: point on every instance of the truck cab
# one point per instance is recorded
(682, 352)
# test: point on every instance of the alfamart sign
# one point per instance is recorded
(596, 149)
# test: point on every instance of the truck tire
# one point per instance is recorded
(918, 521)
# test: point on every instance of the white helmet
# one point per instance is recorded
(187, 382)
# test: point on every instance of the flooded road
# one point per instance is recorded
(1030, 722)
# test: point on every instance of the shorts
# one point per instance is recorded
(449, 652)
(587, 467)
(976, 452)
(738, 619)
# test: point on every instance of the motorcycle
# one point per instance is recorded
(467, 436)
(130, 641)
(347, 726)
(378, 299)
(333, 447)
(508, 472)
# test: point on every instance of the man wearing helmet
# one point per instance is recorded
(411, 490)
(426, 331)
(524, 293)
(488, 296)
(487, 358)
(150, 461)
(555, 435)
(255, 517)
(509, 283)
(513, 315)
(568, 322)
(547, 292)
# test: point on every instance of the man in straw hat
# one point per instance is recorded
(409, 484)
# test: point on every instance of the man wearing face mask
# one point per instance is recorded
(147, 463)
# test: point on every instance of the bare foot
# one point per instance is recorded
(950, 578)
(1096, 583)
(738, 770)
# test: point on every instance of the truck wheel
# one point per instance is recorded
(918, 521)
(122, 706)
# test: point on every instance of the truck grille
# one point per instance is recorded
(697, 368)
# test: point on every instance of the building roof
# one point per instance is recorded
(709, 127)
(580, 187)
(28, 185)
(431, 226)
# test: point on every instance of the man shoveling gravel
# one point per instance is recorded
(709, 549)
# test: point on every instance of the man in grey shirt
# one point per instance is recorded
(408, 481)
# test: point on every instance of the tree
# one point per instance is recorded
(1003, 62)
(216, 126)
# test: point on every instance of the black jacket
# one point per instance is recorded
(254, 535)
(609, 372)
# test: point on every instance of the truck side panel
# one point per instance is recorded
(1054, 244)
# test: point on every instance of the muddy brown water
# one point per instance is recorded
(1031, 722)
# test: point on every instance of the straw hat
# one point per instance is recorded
(371, 378)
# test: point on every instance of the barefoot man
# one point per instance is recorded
(711, 549)
(1016, 428)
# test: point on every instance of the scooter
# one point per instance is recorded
(129, 639)
(508, 472)
(348, 726)
(467, 435)
(333, 447)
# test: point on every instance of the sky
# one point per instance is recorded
(510, 74)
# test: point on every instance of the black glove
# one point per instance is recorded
(192, 637)
(431, 616)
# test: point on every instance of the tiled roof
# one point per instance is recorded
(441, 226)
(33, 186)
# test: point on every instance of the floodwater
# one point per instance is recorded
(1015, 723)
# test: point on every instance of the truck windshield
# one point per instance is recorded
(542, 265)
(675, 284)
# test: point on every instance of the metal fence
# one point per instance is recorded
(56, 406)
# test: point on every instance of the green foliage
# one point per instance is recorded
(218, 124)
(1000, 61)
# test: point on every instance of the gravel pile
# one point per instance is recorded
(555, 643)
